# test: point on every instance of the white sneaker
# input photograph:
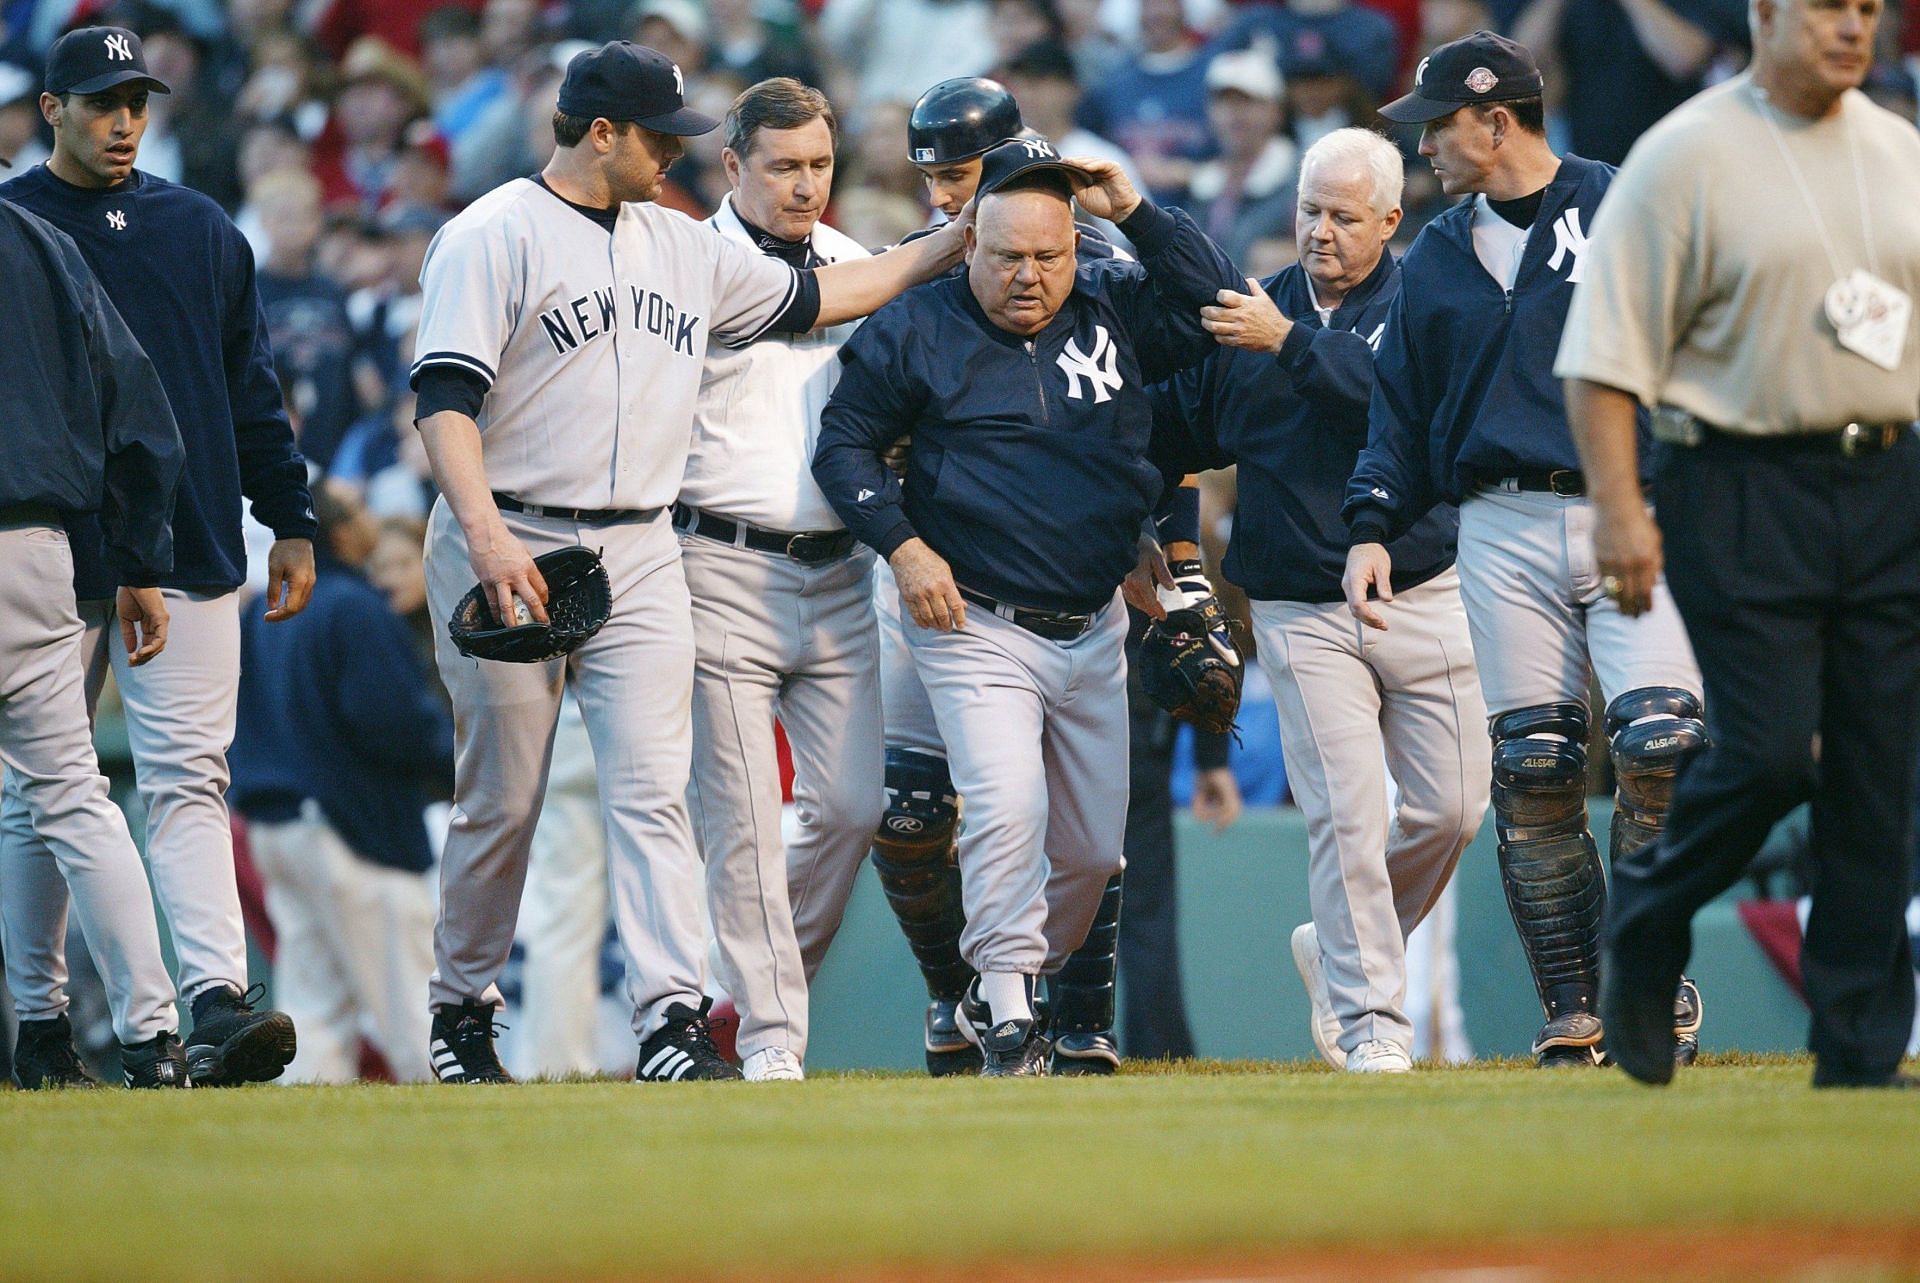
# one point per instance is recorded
(772, 1065)
(1324, 1025)
(1373, 1057)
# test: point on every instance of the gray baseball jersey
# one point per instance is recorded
(591, 350)
(591, 345)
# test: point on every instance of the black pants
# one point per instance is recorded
(1154, 1007)
(1798, 575)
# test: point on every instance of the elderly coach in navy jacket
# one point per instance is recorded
(1023, 385)
(1291, 411)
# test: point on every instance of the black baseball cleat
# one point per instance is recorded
(232, 1043)
(460, 1045)
(160, 1061)
(1014, 1049)
(1083, 1053)
(1573, 1039)
(949, 1051)
(44, 1056)
(1687, 1010)
(682, 1050)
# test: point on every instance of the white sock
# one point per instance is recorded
(1006, 995)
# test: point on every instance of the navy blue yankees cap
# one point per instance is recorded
(93, 59)
(621, 80)
(1027, 154)
(1482, 67)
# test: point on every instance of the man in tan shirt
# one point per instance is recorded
(1771, 319)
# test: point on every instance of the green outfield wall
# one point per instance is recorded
(1241, 894)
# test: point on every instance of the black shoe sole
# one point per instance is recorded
(1081, 1067)
(950, 1064)
(259, 1053)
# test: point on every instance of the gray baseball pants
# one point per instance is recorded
(1356, 704)
(58, 802)
(1540, 614)
(1036, 732)
(634, 684)
(776, 638)
(180, 710)
(909, 717)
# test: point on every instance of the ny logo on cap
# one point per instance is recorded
(679, 81)
(1038, 147)
(1420, 72)
(119, 49)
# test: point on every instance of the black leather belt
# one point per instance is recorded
(590, 516)
(1054, 625)
(1677, 427)
(1568, 483)
(808, 547)
(31, 514)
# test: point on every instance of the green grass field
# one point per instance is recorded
(1210, 1171)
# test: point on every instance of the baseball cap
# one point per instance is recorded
(1252, 72)
(93, 59)
(1482, 67)
(1026, 155)
(621, 80)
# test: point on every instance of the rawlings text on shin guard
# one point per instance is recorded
(913, 854)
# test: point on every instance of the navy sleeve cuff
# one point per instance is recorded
(893, 534)
(1209, 750)
(1367, 526)
(1149, 227)
(1295, 346)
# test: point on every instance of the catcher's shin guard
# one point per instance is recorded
(1080, 995)
(914, 855)
(1650, 732)
(1550, 867)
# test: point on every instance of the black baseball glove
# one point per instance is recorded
(579, 599)
(1189, 664)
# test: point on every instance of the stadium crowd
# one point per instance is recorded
(341, 135)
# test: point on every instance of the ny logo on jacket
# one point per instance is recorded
(1098, 367)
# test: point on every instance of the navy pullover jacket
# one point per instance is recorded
(182, 276)
(84, 426)
(1295, 422)
(1464, 390)
(1029, 469)
(334, 707)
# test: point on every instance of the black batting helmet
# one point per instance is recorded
(959, 119)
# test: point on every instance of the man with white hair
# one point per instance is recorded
(1354, 706)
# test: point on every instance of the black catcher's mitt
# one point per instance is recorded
(1190, 666)
(579, 599)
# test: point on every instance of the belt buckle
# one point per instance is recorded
(807, 547)
(1566, 489)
